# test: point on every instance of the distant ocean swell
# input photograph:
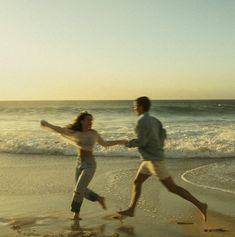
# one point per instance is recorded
(213, 109)
(179, 108)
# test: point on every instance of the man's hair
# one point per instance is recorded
(145, 102)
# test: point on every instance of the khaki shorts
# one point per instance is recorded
(156, 168)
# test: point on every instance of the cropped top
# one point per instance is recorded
(85, 140)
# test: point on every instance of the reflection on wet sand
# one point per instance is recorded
(99, 231)
(127, 229)
(47, 226)
(77, 229)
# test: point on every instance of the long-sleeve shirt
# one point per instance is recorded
(87, 140)
(148, 141)
(83, 140)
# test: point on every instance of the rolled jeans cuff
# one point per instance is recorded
(92, 196)
(76, 206)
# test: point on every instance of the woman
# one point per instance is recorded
(82, 134)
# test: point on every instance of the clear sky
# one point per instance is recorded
(117, 49)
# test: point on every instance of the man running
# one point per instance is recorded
(150, 142)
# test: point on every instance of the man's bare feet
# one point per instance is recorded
(127, 212)
(203, 210)
(101, 201)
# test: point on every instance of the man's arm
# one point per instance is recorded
(141, 132)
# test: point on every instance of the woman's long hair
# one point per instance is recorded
(77, 125)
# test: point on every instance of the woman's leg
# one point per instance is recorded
(90, 194)
(77, 175)
(84, 175)
(94, 197)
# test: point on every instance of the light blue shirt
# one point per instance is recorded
(148, 141)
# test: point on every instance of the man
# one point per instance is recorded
(150, 145)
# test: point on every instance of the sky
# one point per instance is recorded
(117, 49)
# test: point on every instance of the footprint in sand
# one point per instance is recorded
(184, 223)
(215, 230)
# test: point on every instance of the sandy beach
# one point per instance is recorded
(36, 192)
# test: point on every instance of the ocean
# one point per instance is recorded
(37, 167)
(196, 130)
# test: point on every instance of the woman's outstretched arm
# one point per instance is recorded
(57, 129)
(105, 143)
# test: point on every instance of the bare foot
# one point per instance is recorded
(127, 212)
(203, 210)
(101, 201)
(76, 217)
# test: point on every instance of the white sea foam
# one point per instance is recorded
(218, 176)
(195, 129)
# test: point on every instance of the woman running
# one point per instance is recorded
(84, 137)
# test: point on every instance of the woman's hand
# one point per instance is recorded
(54, 128)
(44, 123)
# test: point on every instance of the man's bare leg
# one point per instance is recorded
(135, 195)
(172, 187)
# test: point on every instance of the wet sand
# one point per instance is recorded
(36, 192)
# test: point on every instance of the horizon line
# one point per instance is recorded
(111, 100)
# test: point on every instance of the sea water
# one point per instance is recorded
(196, 129)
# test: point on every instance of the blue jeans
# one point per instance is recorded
(85, 171)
